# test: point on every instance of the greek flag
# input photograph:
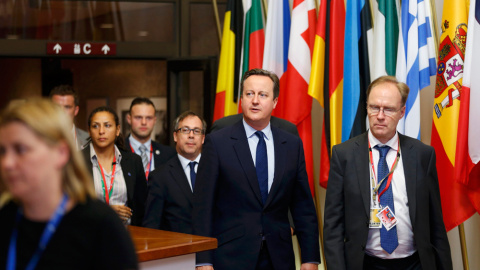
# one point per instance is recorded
(415, 59)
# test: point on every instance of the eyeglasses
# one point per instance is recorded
(186, 130)
(374, 110)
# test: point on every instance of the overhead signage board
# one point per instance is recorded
(81, 48)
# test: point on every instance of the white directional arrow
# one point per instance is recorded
(57, 48)
(105, 49)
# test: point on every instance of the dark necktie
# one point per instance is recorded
(261, 166)
(144, 156)
(388, 239)
(193, 175)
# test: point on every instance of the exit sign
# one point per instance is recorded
(81, 48)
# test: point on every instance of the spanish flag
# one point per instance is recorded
(447, 103)
(229, 66)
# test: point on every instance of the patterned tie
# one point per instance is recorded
(388, 239)
(193, 175)
(261, 166)
(144, 155)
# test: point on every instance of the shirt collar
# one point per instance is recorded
(136, 144)
(393, 142)
(267, 131)
(185, 161)
(93, 155)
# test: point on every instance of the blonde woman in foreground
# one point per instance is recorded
(53, 220)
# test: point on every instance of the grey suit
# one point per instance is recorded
(347, 205)
(82, 138)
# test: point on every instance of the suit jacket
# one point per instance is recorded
(347, 205)
(134, 176)
(161, 153)
(82, 138)
(228, 205)
(169, 202)
(274, 121)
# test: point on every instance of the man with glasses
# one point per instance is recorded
(382, 208)
(170, 195)
(141, 119)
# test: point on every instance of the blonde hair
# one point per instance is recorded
(50, 123)
(402, 87)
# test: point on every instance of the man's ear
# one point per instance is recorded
(76, 110)
(129, 119)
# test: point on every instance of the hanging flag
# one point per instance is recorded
(317, 82)
(277, 33)
(333, 85)
(294, 103)
(385, 38)
(229, 66)
(254, 36)
(448, 100)
(415, 61)
(356, 70)
(467, 155)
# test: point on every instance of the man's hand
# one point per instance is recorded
(205, 267)
(309, 266)
(123, 212)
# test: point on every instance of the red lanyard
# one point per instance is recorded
(389, 175)
(147, 170)
(108, 192)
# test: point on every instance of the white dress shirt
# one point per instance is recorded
(119, 192)
(186, 167)
(406, 243)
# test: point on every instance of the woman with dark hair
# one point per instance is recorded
(118, 175)
(51, 218)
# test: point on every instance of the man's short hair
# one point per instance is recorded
(140, 100)
(187, 114)
(65, 90)
(266, 73)
(402, 87)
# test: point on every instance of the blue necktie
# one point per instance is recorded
(388, 239)
(193, 175)
(261, 166)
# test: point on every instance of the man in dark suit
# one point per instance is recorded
(274, 121)
(249, 175)
(141, 119)
(384, 176)
(170, 195)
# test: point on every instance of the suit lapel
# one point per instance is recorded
(361, 163)
(409, 159)
(280, 154)
(180, 178)
(128, 175)
(242, 149)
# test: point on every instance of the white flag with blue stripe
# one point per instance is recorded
(415, 59)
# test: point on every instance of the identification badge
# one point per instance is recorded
(374, 220)
(387, 218)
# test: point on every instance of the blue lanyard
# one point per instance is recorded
(45, 238)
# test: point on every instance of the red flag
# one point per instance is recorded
(294, 103)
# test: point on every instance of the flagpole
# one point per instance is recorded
(433, 11)
(265, 8)
(217, 22)
(463, 244)
(320, 221)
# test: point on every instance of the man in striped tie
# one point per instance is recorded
(142, 119)
(170, 194)
(382, 209)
